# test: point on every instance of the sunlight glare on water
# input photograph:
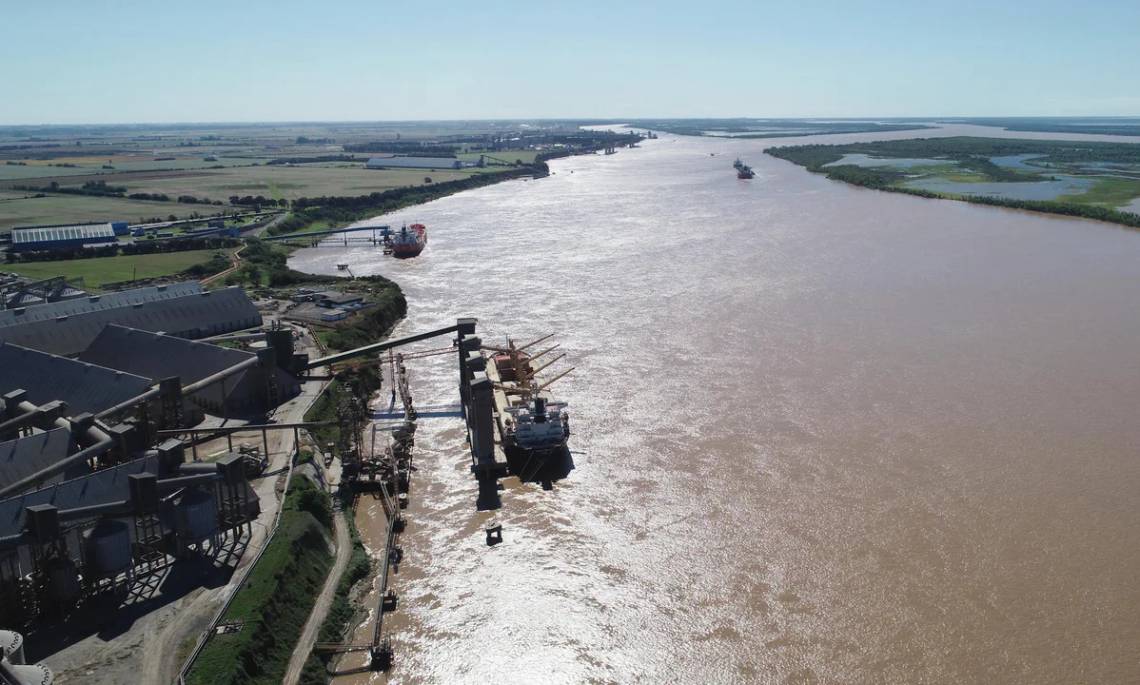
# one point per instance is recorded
(822, 433)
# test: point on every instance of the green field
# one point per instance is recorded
(33, 169)
(290, 182)
(99, 271)
(75, 209)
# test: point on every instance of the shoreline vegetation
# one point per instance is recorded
(336, 211)
(962, 161)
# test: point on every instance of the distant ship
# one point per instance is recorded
(409, 242)
(742, 169)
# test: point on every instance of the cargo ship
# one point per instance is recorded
(409, 242)
(534, 428)
(742, 169)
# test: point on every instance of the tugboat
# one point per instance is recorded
(409, 242)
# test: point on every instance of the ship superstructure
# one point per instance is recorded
(535, 428)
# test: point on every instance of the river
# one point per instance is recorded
(822, 433)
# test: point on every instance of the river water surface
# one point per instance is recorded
(823, 434)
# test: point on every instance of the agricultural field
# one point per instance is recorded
(285, 182)
(99, 271)
(18, 209)
(215, 162)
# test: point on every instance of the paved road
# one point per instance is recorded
(324, 602)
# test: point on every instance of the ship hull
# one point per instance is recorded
(408, 251)
(539, 465)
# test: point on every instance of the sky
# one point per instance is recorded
(107, 61)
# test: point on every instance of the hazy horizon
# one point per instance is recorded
(579, 120)
(258, 62)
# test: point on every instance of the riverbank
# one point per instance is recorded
(330, 212)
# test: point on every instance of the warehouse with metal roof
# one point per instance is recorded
(61, 237)
(28, 455)
(158, 356)
(102, 487)
(91, 303)
(199, 315)
(85, 388)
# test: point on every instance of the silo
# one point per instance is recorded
(63, 580)
(196, 516)
(108, 548)
(37, 674)
(12, 646)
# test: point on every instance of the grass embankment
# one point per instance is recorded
(277, 598)
(342, 611)
(99, 271)
(972, 156)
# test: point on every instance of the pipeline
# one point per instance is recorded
(29, 413)
(101, 443)
(379, 347)
(127, 404)
(224, 373)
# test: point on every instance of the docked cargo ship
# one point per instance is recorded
(409, 242)
(534, 428)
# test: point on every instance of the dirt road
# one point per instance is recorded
(324, 602)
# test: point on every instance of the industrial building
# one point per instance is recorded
(19, 291)
(417, 163)
(191, 316)
(256, 387)
(61, 237)
(25, 456)
(90, 303)
(84, 388)
(73, 541)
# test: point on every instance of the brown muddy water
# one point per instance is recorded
(823, 434)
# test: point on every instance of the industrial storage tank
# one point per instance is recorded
(196, 516)
(36, 674)
(12, 646)
(108, 548)
(63, 580)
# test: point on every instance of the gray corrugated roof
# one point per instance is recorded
(51, 310)
(63, 232)
(84, 387)
(158, 356)
(189, 316)
(102, 487)
(23, 457)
